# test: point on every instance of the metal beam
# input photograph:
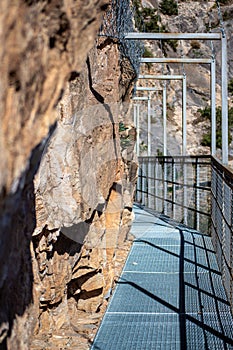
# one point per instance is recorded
(140, 98)
(147, 88)
(176, 60)
(161, 77)
(173, 36)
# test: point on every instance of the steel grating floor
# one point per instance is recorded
(170, 294)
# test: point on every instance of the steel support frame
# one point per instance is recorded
(154, 89)
(183, 79)
(150, 175)
(224, 70)
(148, 99)
(184, 138)
(212, 63)
(137, 124)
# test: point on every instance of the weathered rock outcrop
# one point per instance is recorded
(84, 190)
(66, 181)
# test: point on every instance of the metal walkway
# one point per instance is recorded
(170, 294)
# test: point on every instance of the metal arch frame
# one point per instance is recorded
(154, 89)
(212, 63)
(137, 124)
(184, 140)
(148, 120)
(150, 172)
(183, 79)
(201, 36)
(136, 121)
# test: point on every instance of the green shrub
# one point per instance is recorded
(206, 114)
(172, 43)
(169, 7)
(148, 54)
(230, 118)
(230, 86)
(146, 19)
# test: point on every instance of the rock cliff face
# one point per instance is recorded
(83, 196)
(66, 178)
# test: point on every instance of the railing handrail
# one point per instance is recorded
(202, 156)
(226, 169)
(205, 208)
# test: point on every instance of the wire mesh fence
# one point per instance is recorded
(178, 187)
(117, 22)
(222, 222)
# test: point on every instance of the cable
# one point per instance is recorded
(181, 43)
(220, 19)
(160, 41)
(213, 53)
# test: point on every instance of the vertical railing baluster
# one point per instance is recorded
(165, 185)
(185, 211)
(149, 183)
(156, 184)
(173, 189)
(197, 195)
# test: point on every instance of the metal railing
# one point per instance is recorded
(196, 191)
(178, 187)
(222, 222)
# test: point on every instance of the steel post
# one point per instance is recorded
(164, 120)
(224, 101)
(138, 131)
(135, 115)
(173, 189)
(149, 126)
(213, 107)
(149, 151)
(135, 124)
(185, 198)
(197, 195)
(184, 122)
(156, 183)
(165, 187)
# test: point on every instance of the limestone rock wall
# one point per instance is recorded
(84, 190)
(66, 180)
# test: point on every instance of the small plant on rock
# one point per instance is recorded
(169, 7)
